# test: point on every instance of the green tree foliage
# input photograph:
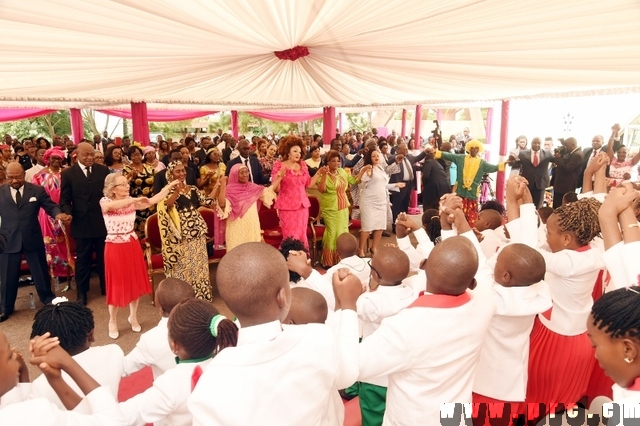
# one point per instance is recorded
(57, 123)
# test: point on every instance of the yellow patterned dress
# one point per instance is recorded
(184, 240)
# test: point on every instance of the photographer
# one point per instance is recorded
(568, 161)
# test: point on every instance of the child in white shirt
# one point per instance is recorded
(47, 354)
(197, 333)
(275, 375)
(72, 323)
(153, 347)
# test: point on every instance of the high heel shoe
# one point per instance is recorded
(113, 330)
(135, 329)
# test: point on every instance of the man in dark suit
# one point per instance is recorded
(245, 157)
(160, 178)
(596, 147)
(21, 202)
(80, 194)
(568, 163)
(534, 167)
(400, 199)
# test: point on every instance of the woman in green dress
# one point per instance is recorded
(334, 204)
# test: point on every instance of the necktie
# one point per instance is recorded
(246, 163)
(18, 197)
(89, 173)
(409, 175)
(536, 159)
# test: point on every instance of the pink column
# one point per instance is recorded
(418, 123)
(140, 122)
(328, 125)
(439, 114)
(77, 127)
(403, 131)
(504, 146)
(234, 124)
(487, 143)
(340, 122)
(413, 203)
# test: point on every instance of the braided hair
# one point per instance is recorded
(617, 313)
(431, 224)
(190, 326)
(70, 322)
(581, 219)
(287, 245)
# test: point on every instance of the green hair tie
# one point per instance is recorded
(215, 321)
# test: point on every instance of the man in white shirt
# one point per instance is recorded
(29, 174)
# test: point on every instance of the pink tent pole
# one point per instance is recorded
(77, 127)
(413, 203)
(340, 122)
(403, 131)
(140, 122)
(418, 123)
(487, 143)
(504, 146)
(234, 124)
(328, 125)
(439, 114)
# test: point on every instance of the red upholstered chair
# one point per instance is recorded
(315, 230)
(209, 216)
(270, 226)
(153, 251)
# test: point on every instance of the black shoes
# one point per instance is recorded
(4, 317)
(82, 298)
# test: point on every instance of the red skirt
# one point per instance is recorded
(470, 209)
(125, 272)
(559, 367)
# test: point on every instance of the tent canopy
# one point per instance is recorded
(219, 54)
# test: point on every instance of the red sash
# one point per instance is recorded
(547, 314)
(440, 300)
(195, 376)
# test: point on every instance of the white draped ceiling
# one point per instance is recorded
(219, 54)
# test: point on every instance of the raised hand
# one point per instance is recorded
(347, 288)
(298, 262)
(399, 158)
(620, 198)
(173, 184)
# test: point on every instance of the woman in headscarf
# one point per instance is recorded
(470, 169)
(184, 232)
(237, 202)
(151, 158)
(49, 178)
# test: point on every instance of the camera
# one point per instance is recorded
(562, 150)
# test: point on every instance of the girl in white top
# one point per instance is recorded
(72, 323)
(614, 330)
(51, 359)
(197, 332)
(559, 350)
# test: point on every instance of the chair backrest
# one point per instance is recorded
(268, 219)
(209, 217)
(314, 210)
(152, 232)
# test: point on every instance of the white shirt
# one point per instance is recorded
(164, 403)
(358, 267)
(504, 360)
(14, 192)
(491, 241)
(278, 377)
(419, 253)
(83, 168)
(103, 363)
(622, 264)
(153, 350)
(29, 174)
(42, 412)
(429, 354)
(623, 399)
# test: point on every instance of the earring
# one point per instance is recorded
(628, 360)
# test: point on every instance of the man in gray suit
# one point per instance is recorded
(534, 167)
(21, 202)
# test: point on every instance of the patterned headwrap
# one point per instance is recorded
(55, 151)
(172, 165)
(474, 143)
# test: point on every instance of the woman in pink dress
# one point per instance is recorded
(125, 268)
(54, 242)
(292, 202)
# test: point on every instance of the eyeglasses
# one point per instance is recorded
(373, 269)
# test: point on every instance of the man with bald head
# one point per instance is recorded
(81, 191)
(21, 202)
(590, 153)
(251, 161)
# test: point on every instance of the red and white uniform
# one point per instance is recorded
(153, 350)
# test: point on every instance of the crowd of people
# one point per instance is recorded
(518, 304)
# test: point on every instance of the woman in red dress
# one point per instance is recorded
(125, 270)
